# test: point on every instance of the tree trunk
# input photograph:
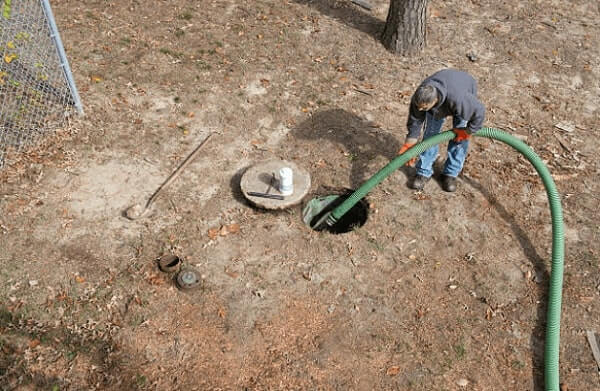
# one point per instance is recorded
(405, 28)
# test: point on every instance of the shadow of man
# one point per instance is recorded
(362, 143)
(540, 266)
(349, 15)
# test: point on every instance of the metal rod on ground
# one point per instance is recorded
(136, 211)
(265, 195)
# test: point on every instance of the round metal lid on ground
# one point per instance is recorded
(260, 184)
(187, 279)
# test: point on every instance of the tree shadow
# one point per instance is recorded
(541, 272)
(361, 139)
(19, 333)
(348, 14)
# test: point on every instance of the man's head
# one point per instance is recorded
(426, 97)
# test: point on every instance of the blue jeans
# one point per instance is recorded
(457, 152)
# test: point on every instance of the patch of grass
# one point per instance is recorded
(460, 350)
(137, 319)
(5, 316)
(125, 41)
(90, 14)
(171, 53)
(140, 380)
(70, 356)
(187, 15)
(376, 245)
(518, 364)
(203, 65)
(179, 33)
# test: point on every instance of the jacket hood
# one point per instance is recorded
(441, 89)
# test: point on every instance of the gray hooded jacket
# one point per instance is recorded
(457, 96)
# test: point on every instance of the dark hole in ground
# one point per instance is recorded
(168, 263)
(356, 217)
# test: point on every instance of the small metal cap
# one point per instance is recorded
(187, 279)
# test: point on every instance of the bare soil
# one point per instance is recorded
(436, 291)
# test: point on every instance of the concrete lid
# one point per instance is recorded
(263, 177)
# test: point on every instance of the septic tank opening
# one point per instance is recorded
(319, 206)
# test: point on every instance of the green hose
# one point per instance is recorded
(551, 353)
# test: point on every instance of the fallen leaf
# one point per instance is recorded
(434, 12)
(321, 163)
(10, 57)
(221, 312)
(223, 231)
(33, 343)
(233, 228)
(95, 79)
(155, 279)
(566, 126)
(79, 279)
(393, 370)
(420, 196)
(213, 233)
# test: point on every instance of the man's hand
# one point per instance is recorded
(405, 147)
(461, 135)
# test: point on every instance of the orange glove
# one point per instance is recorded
(461, 135)
(405, 147)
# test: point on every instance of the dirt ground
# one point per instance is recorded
(436, 291)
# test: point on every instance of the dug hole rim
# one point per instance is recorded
(169, 263)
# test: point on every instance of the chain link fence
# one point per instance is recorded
(37, 92)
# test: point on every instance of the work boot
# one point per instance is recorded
(419, 182)
(448, 183)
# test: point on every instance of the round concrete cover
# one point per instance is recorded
(264, 178)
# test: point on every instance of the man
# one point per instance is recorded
(448, 92)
